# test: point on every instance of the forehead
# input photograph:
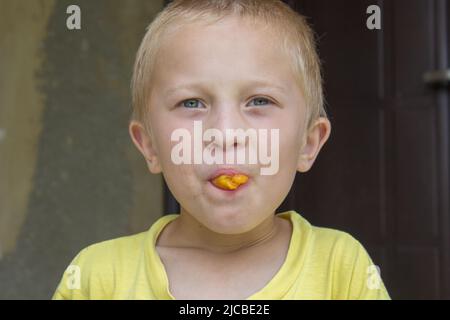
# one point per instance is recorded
(230, 50)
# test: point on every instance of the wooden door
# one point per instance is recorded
(384, 174)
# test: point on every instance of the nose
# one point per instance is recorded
(223, 118)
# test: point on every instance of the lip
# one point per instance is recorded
(226, 171)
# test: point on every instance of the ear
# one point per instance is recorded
(315, 138)
(143, 141)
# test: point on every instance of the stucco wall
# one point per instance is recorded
(69, 174)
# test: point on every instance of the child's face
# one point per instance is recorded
(225, 61)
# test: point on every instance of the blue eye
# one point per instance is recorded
(195, 103)
(260, 101)
(191, 103)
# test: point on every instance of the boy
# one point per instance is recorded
(227, 65)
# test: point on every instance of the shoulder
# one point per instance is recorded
(325, 240)
(94, 270)
(123, 247)
(341, 243)
(346, 260)
(354, 274)
(98, 270)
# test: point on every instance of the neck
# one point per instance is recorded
(189, 232)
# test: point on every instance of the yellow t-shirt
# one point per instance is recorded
(321, 263)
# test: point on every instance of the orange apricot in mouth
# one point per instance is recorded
(228, 182)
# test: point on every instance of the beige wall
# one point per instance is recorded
(69, 174)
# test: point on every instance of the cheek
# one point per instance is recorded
(182, 181)
(290, 145)
(273, 189)
(163, 143)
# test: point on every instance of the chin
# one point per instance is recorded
(228, 220)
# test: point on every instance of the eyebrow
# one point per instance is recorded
(259, 83)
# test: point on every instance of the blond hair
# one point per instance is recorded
(297, 37)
